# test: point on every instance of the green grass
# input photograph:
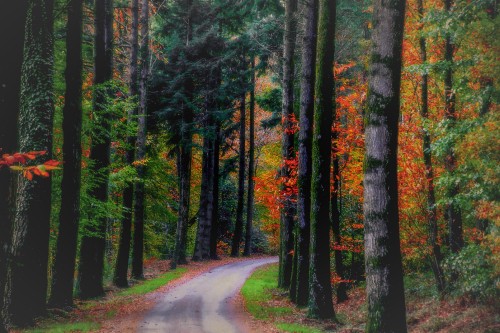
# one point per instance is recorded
(68, 327)
(297, 328)
(257, 291)
(153, 284)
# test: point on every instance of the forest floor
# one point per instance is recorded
(425, 312)
(122, 310)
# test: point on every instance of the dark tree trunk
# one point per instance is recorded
(12, 38)
(26, 287)
(94, 234)
(251, 167)
(69, 216)
(184, 162)
(384, 274)
(305, 149)
(121, 268)
(214, 231)
(238, 228)
(320, 288)
(341, 291)
(288, 211)
(139, 210)
(202, 245)
(435, 256)
(453, 214)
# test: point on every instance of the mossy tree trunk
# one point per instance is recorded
(384, 274)
(26, 288)
(69, 216)
(305, 149)
(320, 288)
(288, 212)
(90, 278)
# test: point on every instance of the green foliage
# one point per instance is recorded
(472, 273)
(67, 327)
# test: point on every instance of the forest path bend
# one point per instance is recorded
(203, 304)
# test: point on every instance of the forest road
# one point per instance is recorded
(203, 304)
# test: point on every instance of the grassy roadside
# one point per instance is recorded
(426, 313)
(88, 315)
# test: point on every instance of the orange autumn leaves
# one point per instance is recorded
(17, 162)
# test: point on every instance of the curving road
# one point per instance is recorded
(203, 304)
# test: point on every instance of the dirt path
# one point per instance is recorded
(203, 304)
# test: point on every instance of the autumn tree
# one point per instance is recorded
(26, 288)
(90, 278)
(384, 275)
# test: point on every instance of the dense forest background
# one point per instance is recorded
(193, 129)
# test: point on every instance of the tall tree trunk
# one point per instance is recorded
(26, 287)
(341, 291)
(453, 214)
(384, 274)
(184, 161)
(305, 149)
(251, 167)
(288, 211)
(320, 288)
(69, 216)
(435, 256)
(121, 267)
(238, 228)
(139, 209)
(12, 23)
(94, 234)
(214, 231)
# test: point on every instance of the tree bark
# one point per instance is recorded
(305, 149)
(121, 267)
(435, 256)
(288, 211)
(26, 288)
(251, 168)
(452, 212)
(384, 274)
(238, 228)
(69, 216)
(94, 234)
(214, 231)
(320, 288)
(12, 24)
(139, 209)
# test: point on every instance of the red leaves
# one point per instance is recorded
(16, 162)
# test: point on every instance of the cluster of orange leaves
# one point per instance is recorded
(17, 162)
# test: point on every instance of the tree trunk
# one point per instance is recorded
(94, 234)
(184, 162)
(320, 288)
(453, 214)
(12, 38)
(288, 211)
(69, 216)
(305, 149)
(26, 287)
(238, 229)
(435, 256)
(335, 219)
(121, 268)
(384, 275)
(139, 209)
(214, 231)
(251, 168)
